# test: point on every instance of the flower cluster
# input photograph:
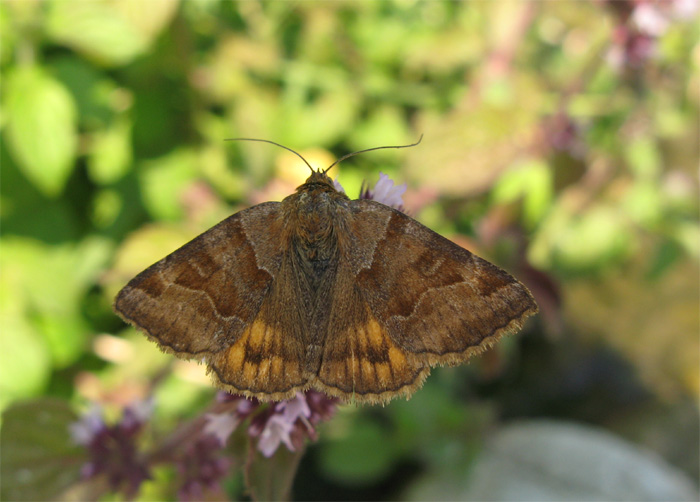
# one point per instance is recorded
(201, 468)
(200, 460)
(112, 448)
(287, 422)
(639, 25)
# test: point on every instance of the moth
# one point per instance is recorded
(349, 297)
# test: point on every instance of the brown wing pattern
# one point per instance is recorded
(268, 360)
(205, 300)
(427, 301)
(359, 359)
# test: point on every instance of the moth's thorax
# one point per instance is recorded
(313, 215)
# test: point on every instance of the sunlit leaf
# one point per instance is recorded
(106, 207)
(150, 17)
(163, 181)
(384, 125)
(643, 157)
(53, 280)
(643, 202)
(322, 121)
(110, 157)
(584, 242)
(8, 34)
(531, 181)
(111, 31)
(41, 127)
(25, 360)
(95, 28)
(228, 72)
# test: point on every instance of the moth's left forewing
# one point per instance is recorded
(220, 299)
(200, 298)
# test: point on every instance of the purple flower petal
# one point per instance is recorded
(386, 193)
(277, 430)
(246, 407)
(295, 408)
(220, 425)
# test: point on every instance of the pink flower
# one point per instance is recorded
(291, 421)
(286, 425)
(385, 192)
(277, 430)
(294, 408)
(220, 425)
(113, 450)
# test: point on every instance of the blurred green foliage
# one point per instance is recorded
(549, 147)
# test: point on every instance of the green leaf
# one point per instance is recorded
(584, 241)
(532, 181)
(25, 211)
(8, 35)
(436, 426)
(41, 127)
(150, 17)
(106, 207)
(38, 460)
(322, 122)
(643, 203)
(112, 31)
(111, 156)
(95, 28)
(386, 125)
(644, 158)
(52, 281)
(97, 97)
(163, 181)
(25, 364)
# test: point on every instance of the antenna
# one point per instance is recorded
(334, 163)
(369, 150)
(273, 143)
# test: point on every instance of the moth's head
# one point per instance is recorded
(319, 177)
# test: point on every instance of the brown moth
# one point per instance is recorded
(349, 297)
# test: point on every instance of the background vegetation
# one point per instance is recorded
(560, 141)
